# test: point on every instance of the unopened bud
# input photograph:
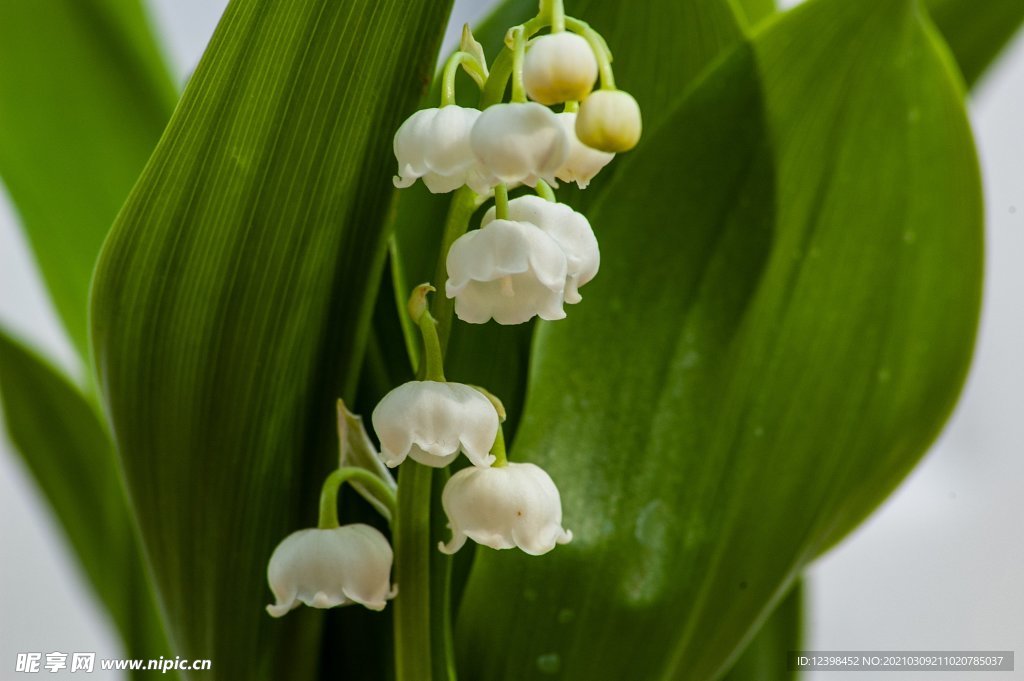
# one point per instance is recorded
(559, 68)
(609, 120)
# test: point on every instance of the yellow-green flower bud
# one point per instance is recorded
(559, 67)
(609, 120)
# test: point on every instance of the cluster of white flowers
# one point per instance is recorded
(496, 503)
(529, 258)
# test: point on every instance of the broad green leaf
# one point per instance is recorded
(766, 657)
(773, 341)
(976, 31)
(65, 446)
(84, 96)
(231, 305)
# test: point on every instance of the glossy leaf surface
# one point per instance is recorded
(771, 344)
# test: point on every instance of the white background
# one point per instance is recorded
(939, 567)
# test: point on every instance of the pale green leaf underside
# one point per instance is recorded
(68, 451)
(771, 344)
(230, 307)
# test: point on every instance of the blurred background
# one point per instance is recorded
(938, 567)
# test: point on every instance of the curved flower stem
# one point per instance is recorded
(433, 358)
(498, 450)
(460, 210)
(600, 48)
(518, 37)
(332, 485)
(451, 69)
(501, 202)
(545, 191)
(554, 11)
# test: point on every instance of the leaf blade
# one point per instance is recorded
(976, 32)
(773, 334)
(230, 306)
(65, 446)
(68, 175)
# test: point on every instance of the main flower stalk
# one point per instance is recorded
(423, 645)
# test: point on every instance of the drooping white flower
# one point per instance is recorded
(431, 422)
(519, 143)
(559, 67)
(433, 144)
(509, 271)
(583, 162)
(571, 230)
(609, 120)
(511, 506)
(325, 568)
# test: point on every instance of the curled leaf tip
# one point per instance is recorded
(418, 301)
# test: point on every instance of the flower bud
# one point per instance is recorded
(519, 143)
(583, 162)
(325, 568)
(509, 271)
(512, 506)
(559, 67)
(609, 120)
(431, 422)
(433, 144)
(570, 230)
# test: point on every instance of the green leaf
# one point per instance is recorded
(765, 658)
(65, 446)
(976, 31)
(231, 305)
(757, 10)
(83, 100)
(773, 341)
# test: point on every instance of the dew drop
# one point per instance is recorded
(549, 663)
(691, 359)
(565, 615)
(530, 594)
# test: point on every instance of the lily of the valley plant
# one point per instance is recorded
(528, 258)
(623, 377)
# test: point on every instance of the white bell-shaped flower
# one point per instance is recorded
(583, 162)
(609, 120)
(520, 143)
(431, 422)
(433, 145)
(572, 232)
(559, 67)
(507, 271)
(511, 506)
(325, 568)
